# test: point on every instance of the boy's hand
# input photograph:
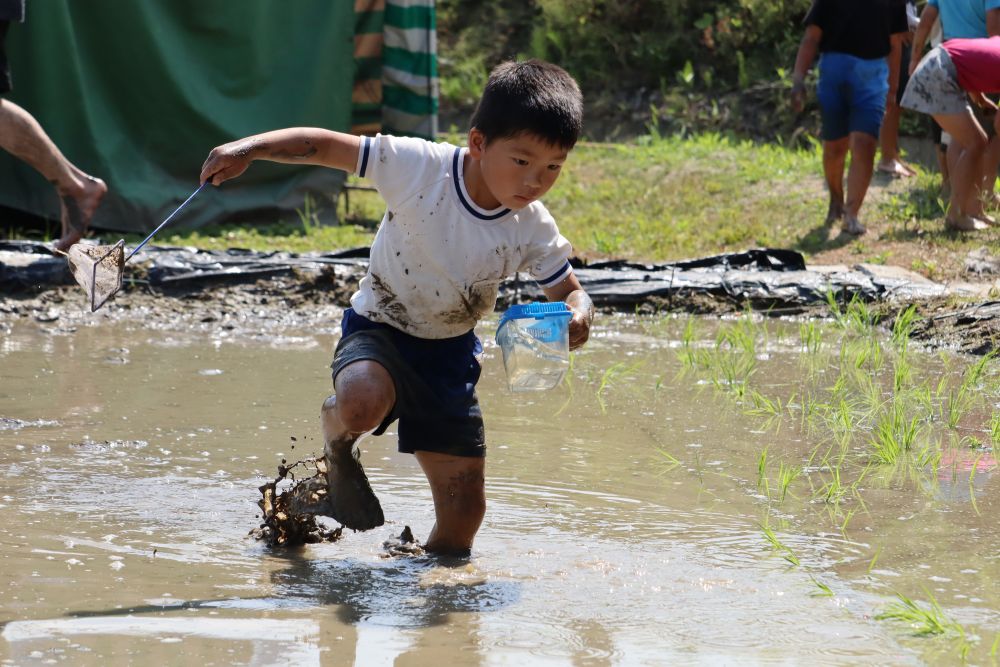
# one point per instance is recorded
(228, 161)
(570, 291)
(583, 314)
(797, 96)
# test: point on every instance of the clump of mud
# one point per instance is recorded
(288, 522)
(404, 545)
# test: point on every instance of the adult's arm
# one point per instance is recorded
(993, 22)
(808, 48)
(927, 19)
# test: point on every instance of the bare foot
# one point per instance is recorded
(78, 208)
(835, 212)
(896, 168)
(853, 226)
(351, 499)
(965, 223)
(990, 221)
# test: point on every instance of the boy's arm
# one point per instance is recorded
(808, 48)
(927, 19)
(294, 145)
(993, 22)
(570, 291)
(895, 61)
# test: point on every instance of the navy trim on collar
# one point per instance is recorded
(461, 197)
(366, 144)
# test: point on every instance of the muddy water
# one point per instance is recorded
(623, 521)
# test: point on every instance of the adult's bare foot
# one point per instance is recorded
(853, 226)
(77, 208)
(835, 212)
(896, 168)
(965, 223)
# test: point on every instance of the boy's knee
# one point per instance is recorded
(355, 413)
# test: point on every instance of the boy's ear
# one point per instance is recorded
(477, 143)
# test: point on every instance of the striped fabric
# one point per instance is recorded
(396, 77)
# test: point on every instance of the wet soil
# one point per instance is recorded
(315, 302)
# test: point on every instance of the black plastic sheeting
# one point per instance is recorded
(763, 278)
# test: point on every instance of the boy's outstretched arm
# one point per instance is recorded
(927, 18)
(294, 145)
(570, 291)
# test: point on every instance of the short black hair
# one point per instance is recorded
(531, 96)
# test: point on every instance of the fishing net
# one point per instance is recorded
(98, 269)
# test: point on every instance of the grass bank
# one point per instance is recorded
(665, 198)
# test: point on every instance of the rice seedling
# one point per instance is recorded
(871, 563)
(902, 328)
(995, 646)
(894, 435)
(810, 338)
(669, 463)
(762, 483)
(786, 475)
(929, 620)
(994, 428)
(824, 590)
(779, 546)
(611, 377)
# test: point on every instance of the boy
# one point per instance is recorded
(457, 221)
(856, 82)
(941, 86)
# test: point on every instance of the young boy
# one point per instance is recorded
(941, 86)
(457, 222)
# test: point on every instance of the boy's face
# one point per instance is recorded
(517, 170)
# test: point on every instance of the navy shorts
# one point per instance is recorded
(436, 402)
(5, 82)
(851, 94)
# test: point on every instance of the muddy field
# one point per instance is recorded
(314, 301)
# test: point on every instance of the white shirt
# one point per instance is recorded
(438, 259)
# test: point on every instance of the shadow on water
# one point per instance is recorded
(401, 592)
(406, 592)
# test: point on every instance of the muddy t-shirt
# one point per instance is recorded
(438, 259)
(860, 28)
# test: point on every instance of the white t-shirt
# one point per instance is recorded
(438, 259)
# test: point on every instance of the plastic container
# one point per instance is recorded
(534, 339)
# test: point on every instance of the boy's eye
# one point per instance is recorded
(555, 167)
(519, 162)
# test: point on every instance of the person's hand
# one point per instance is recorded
(797, 96)
(914, 61)
(890, 99)
(981, 101)
(228, 161)
(583, 314)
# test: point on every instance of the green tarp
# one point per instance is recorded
(138, 91)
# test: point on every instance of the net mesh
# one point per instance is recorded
(98, 270)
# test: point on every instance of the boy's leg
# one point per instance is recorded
(859, 177)
(458, 487)
(79, 193)
(365, 394)
(834, 156)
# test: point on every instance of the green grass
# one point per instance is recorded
(658, 199)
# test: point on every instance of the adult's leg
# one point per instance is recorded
(459, 490)
(966, 174)
(859, 177)
(79, 193)
(834, 157)
(889, 161)
(365, 394)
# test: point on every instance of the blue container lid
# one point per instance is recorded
(536, 310)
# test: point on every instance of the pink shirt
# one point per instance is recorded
(977, 62)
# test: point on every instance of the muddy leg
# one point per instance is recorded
(365, 395)
(458, 486)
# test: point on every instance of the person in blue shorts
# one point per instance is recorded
(860, 43)
(458, 221)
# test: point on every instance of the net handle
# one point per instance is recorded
(163, 224)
